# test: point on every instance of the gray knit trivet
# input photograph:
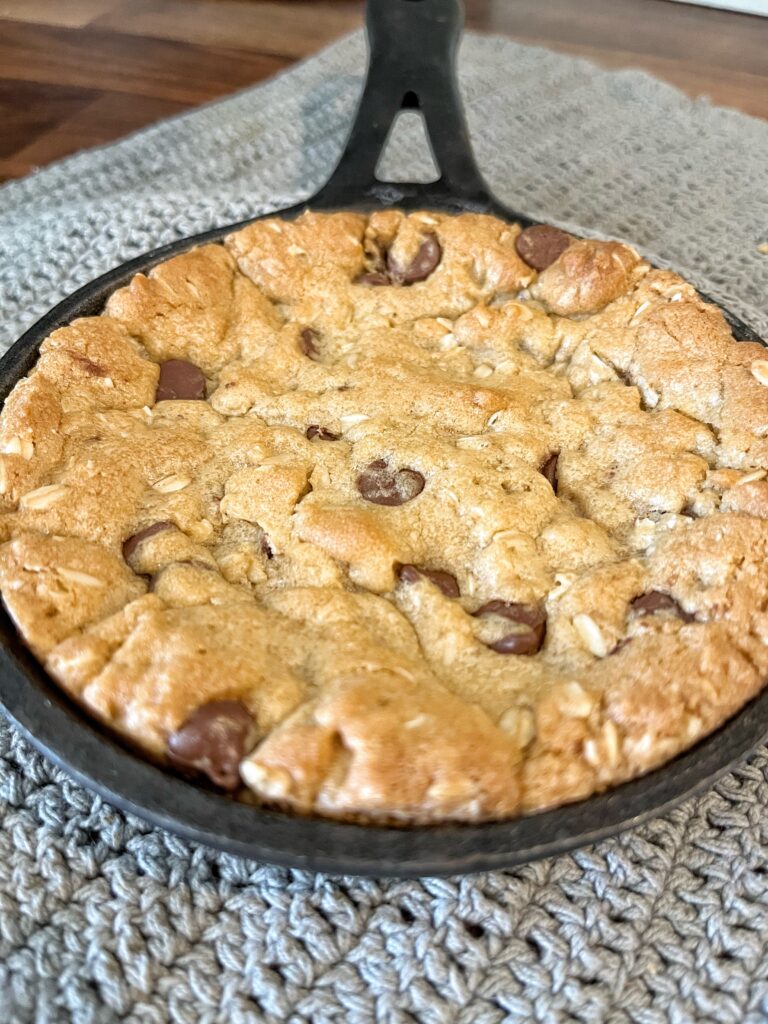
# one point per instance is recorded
(105, 919)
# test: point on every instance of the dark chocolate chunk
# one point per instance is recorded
(527, 641)
(656, 601)
(131, 543)
(180, 380)
(528, 614)
(214, 739)
(313, 430)
(384, 486)
(408, 574)
(421, 266)
(548, 469)
(307, 340)
(444, 581)
(541, 245)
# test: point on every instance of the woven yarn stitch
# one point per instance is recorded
(105, 919)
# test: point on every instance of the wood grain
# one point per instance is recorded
(78, 73)
(71, 13)
(103, 118)
(29, 110)
(287, 29)
(705, 38)
(92, 58)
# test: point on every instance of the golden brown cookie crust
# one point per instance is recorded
(398, 407)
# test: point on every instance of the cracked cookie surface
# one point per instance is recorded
(396, 517)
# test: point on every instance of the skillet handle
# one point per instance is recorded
(412, 47)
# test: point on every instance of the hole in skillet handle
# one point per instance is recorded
(408, 123)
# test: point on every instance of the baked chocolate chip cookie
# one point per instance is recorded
(396, 517)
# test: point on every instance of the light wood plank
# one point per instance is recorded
(67, 13)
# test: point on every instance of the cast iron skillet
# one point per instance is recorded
(412, 44)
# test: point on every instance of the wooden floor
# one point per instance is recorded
(77, 73)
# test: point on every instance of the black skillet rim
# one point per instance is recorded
(97, 759)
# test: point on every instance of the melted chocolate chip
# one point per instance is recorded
(548, 469)
(444, 581)
(421, 266)
(266, 548)
(307, 340)
(180, 380)
(541, 245)
(656, 601)
(408, 574)
(131, 543)
(384, 486)
(528, 614)
(321, 433)
(526, 642)
(213, 740)
(372, 279)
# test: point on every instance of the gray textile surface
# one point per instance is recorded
(103, 918)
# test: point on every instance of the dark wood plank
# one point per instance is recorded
(292, 30)
(700, 50)
(106, 117)
(99, 59)
(29, 109)
(76, 73)
(630, 29)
